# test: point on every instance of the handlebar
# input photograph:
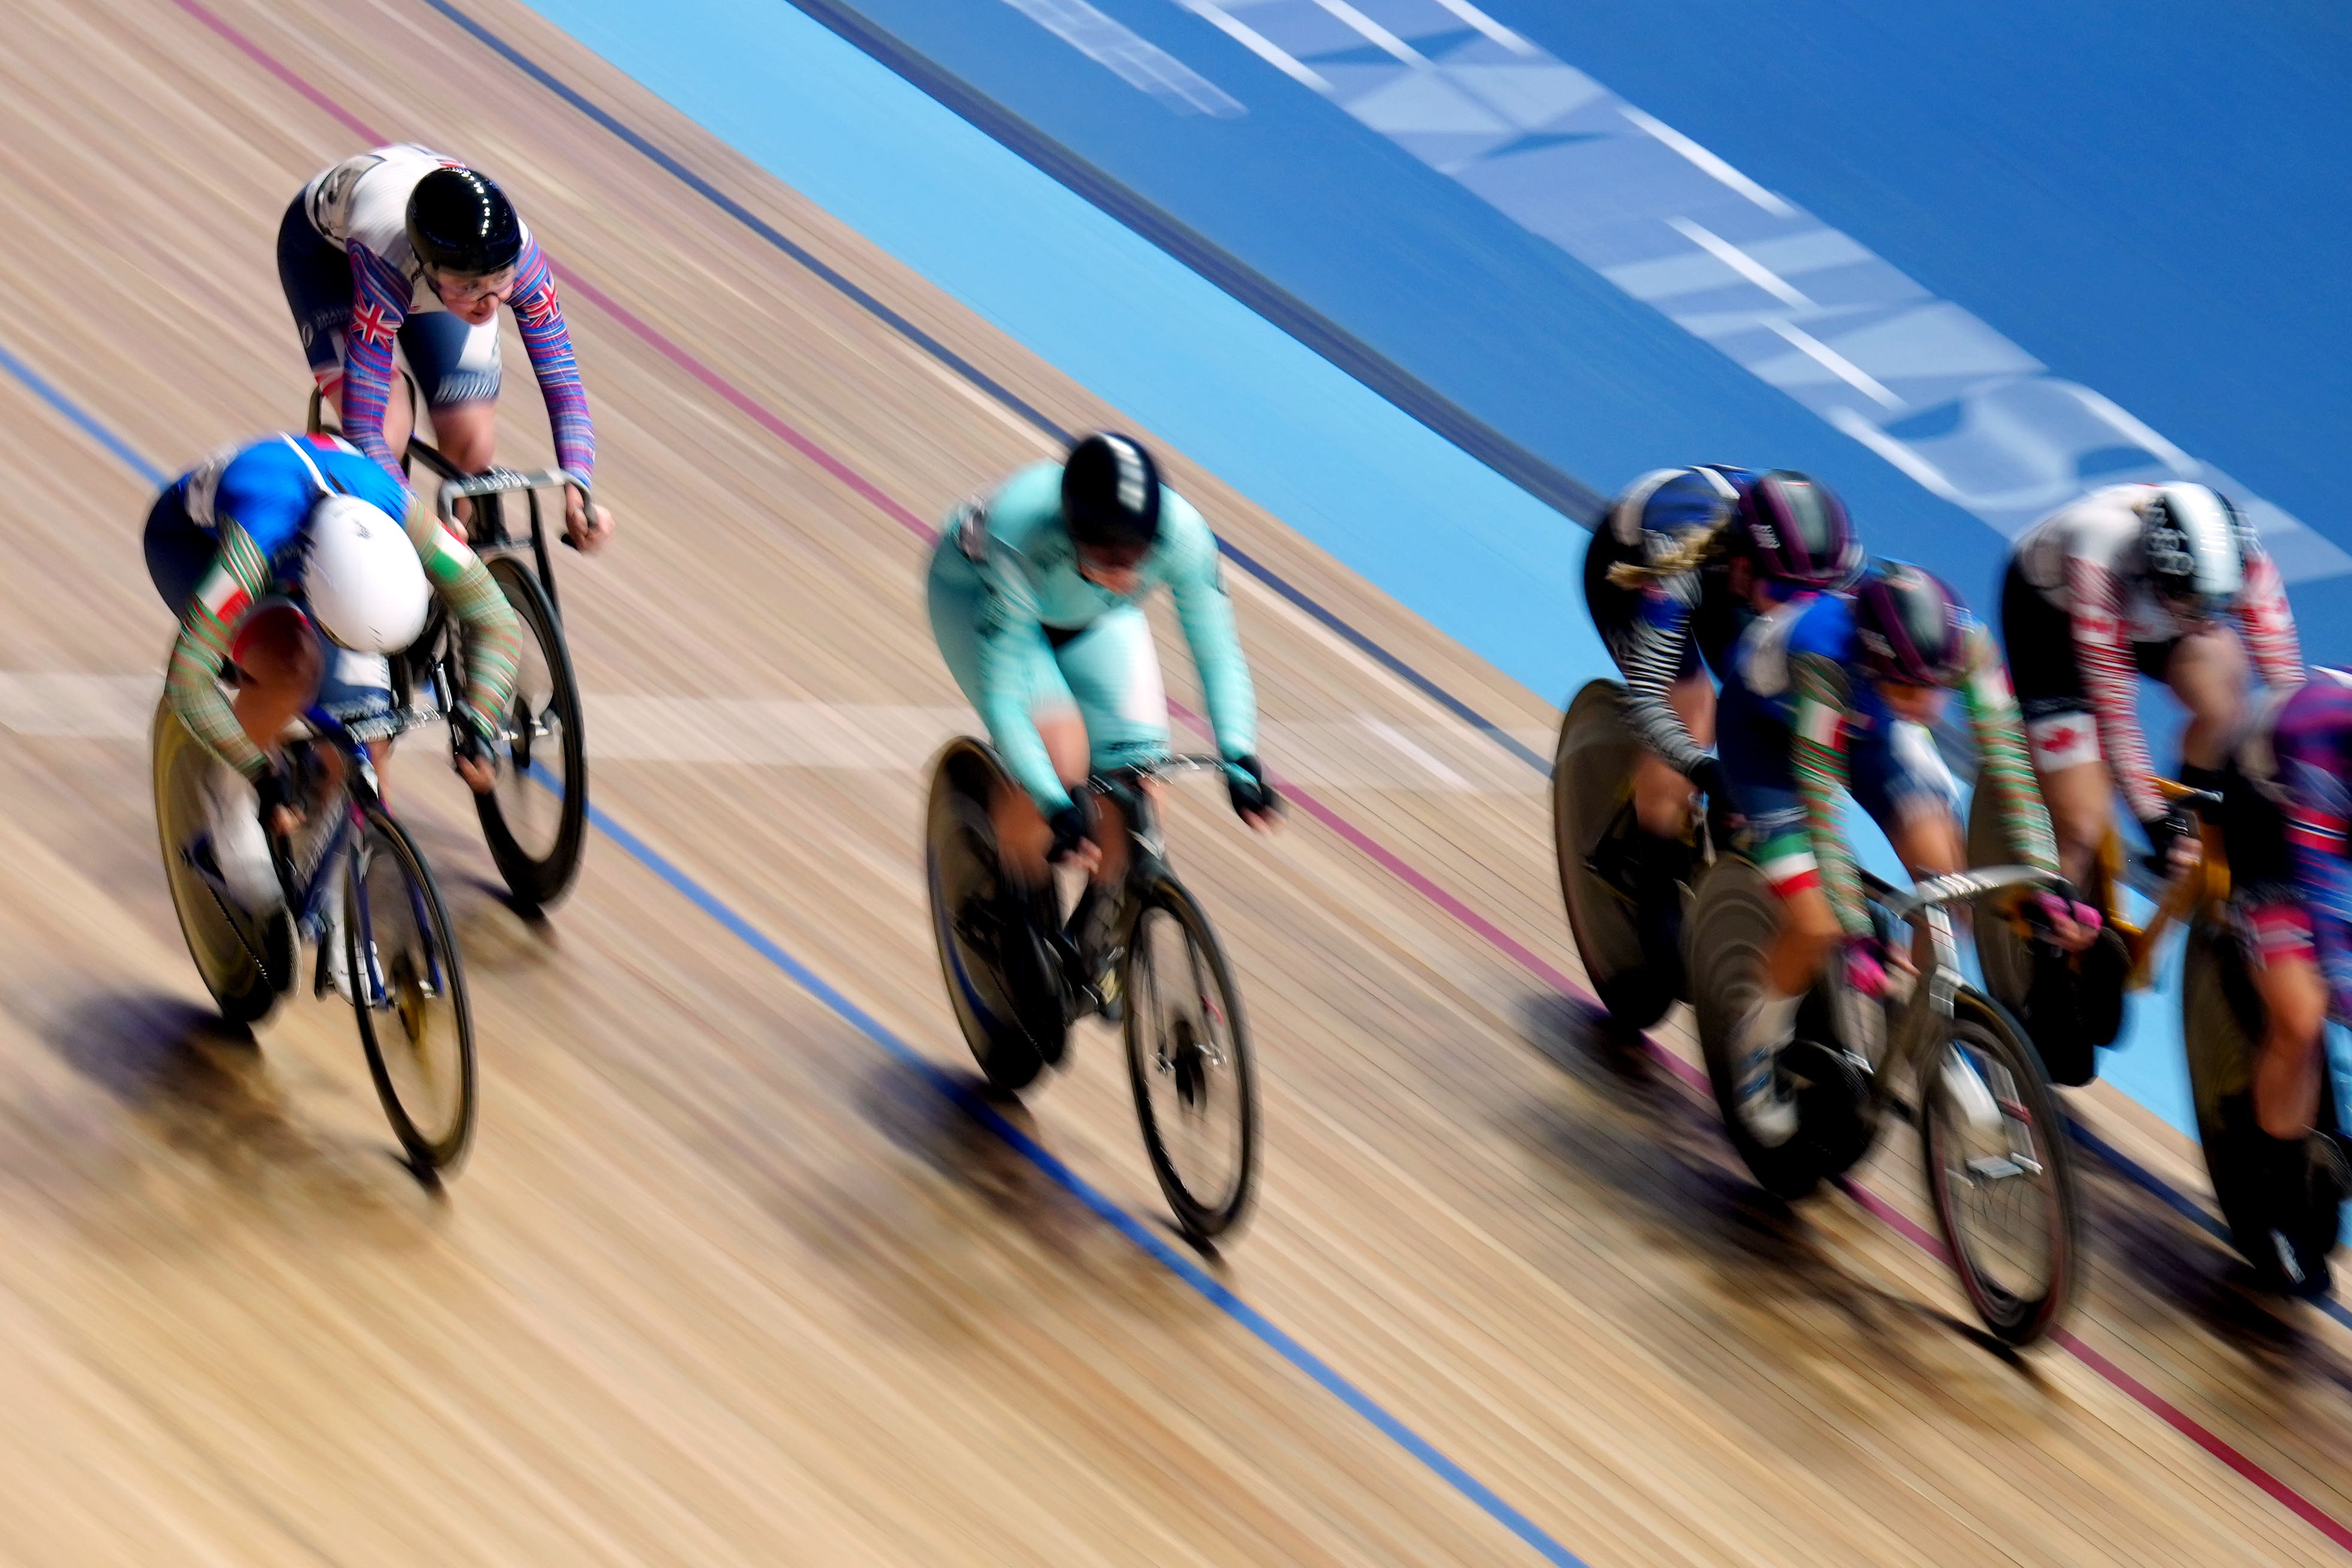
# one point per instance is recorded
(1112, 779)
(505, 481)
(1960, 886)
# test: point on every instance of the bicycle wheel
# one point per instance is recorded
(2002, 1171)
(998, 976)
(416, 1023)
(1592, 784)
(245, 962)
(2222, 1017)
(536, 820)
(1188, 1060)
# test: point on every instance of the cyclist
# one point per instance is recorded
(256, 546)
(1686, 557)
(1034, 597)
(2287, 804)
(1834, 694)
(2137, 578)
(402, 248)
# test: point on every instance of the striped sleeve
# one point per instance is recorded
(540, 315)
(493, 638)
(1824, 715)
(379, 305)
(2269, 624)
(2110, 682)
(192, 682)
(1653, 659)
(2309, 751)
(2002, 760)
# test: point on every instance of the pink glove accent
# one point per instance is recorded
(1863, 970)
(2053, 909)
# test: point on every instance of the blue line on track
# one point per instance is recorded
(1265, 1330)
(66, 406)
(987, 384)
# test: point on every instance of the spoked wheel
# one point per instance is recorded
(410, 981)
(1732, 923)
(999, 976)
(246, 961)
(1188, 1059)
(1591, 785)
(2222, 1017)
(536, 820)
(2001, 1168)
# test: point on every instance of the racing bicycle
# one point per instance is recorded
(535, 820)
(1938, 1051)
(1142, 955)
(406, 975)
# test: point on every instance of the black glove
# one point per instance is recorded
(274, 790)
(2162, 833)
(1725, 825)
(1245, 782)
(1072, 825)
(475, 737)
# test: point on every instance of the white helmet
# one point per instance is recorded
(361, 577)
(2195, 543)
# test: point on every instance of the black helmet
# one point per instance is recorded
(460, 222)
(1913, 629)
(1110, 493)
(1795, 528)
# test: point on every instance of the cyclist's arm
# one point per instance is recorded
(2103, 650)
(2269, 624)
(2002, 761)
(379, 305)
(1010, 640)
(1204, 610)
(493, 639)
(539, 317)
(192, 682)
(1661, 638)
(1824, 715)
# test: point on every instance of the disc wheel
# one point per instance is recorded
(416, 1023)
(536, 820)
(247, 962)
(2222, 1017)
(1188, 1060)
(1592, 784)
(1004, 1017)
(2002, 954)
(1732, 922)
(2000, 1170)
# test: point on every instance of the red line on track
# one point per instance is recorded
(1486, 930)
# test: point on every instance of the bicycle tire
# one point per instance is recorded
(245, 964)
(1591, 775)
(964, 880)
(1734, 918)
(1202, 1217)
(2222, 1017)
(440, 1142)
(538, 878)
(2012, 1069)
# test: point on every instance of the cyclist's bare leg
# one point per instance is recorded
(2286, 1071)
(282, 663)
(399, 420)
(2209, 672)
(1022, 836)
(467, 434)
(1809, 934)
(1662, 796)
(2081, 801)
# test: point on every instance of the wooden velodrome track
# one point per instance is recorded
(727, 1279)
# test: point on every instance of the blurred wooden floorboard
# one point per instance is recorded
(724, 1282)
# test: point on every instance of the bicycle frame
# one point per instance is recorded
(1125, 786)
(1925, 1019)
